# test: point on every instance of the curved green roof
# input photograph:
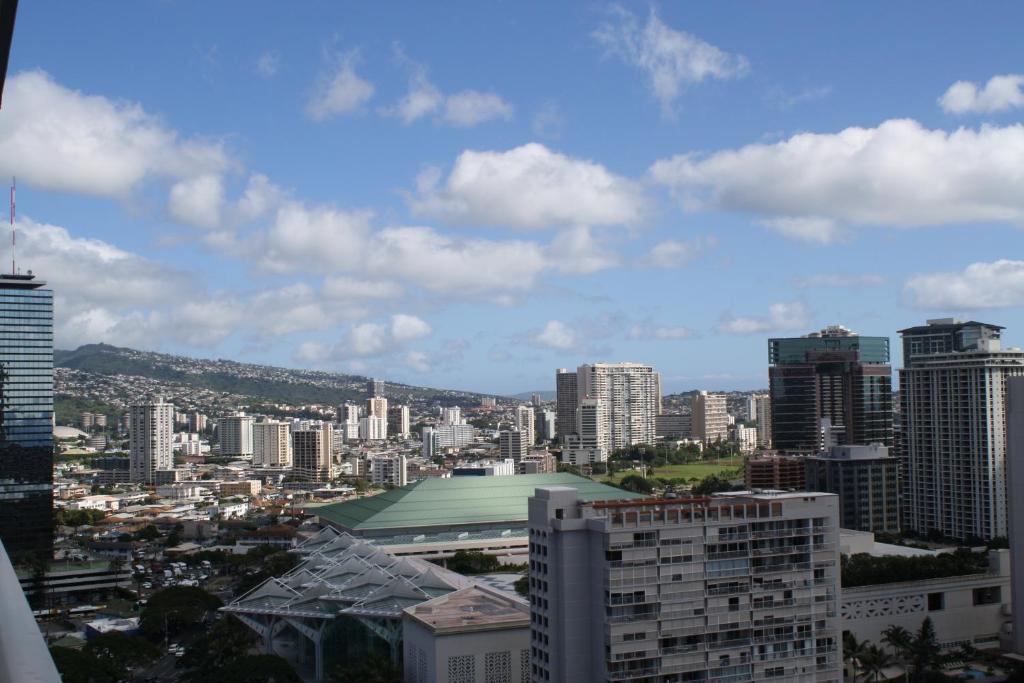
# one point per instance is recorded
(457, 501)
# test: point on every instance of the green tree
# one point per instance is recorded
(853, 649)
(636, 483)
(225, 642)
(873, 660)
(375, 669)
(925, 653)
(118, 651)
(471, 562)
(147, 533)
(258, 669)
(176, 609)
(522, 585)
(713, 483)
(77, 666)
(898, 638)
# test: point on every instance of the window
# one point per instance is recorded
(989, 595)
(936, 601)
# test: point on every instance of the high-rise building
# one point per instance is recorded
(953, 428)
(451, 415)
(834, 374)
(525, 424)
(375, 388)
(512, 444)
(764, 421)
(545, 425)
(26, 415)
(775, 473)
(271, 444)
(627, 393)
(388, 469)
(1015, 495)
(866, 479)
(673, 426)
(377, 407)
(311, 452)
(348, 412)
(398, 421)
(535, 400)
(709, 417)
(746, 438)
(566, 402)
(373, 428)
(234, 433)
(151, 439)
(739, 587)
(197, 422)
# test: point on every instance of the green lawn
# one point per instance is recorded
(699, 470)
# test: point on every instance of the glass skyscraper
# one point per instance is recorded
(833, 375)
(26, 415)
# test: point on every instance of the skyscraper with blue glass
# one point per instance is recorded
(26, 415)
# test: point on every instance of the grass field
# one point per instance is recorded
(697, 470)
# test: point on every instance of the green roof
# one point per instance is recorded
(457, 501)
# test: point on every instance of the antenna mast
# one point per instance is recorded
(14, 232)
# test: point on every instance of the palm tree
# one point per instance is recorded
(898, 638)
(852, 651)
(873, 660)
(925, 652)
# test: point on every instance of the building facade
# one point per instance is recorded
(775, 472)
(234, 433)
(525, 423)
(764, 421)
(272, 445)
(388, 469)
(733, 588)
(866, 479)
(566, 397)
(673, 426)
(151, 439)
(835, 375)
(627, 395)
(398, 421)
(311, 453)
(953, 428)
(710, 418)
(512, 444)
(26, 415)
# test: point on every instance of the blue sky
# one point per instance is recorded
(472, 198)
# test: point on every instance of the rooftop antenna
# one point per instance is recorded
(14, 232)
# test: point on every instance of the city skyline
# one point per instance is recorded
(371, 189)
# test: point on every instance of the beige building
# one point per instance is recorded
(525, 424)
(627, 400)
(151, 439)
(311, 453)
(473, 634)
(272, 444)
(252, 487)
(710, 419)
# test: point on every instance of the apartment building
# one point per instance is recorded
(272, 445)
(710, 419)
(738, 587)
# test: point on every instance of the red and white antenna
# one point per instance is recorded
(14, 232)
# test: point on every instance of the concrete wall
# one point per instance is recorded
(868, 610)
(501, 654)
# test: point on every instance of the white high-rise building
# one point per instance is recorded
(746, 438)
(151, 434)
(271, 444)
(373, 427)
(348, 413)
(388, 469)
(710, 418)
(739, 587)
(953, 427)
(545, 421)
(525, 423)
(451, 416)
(311, 452)
(234, 433)
(628, 395)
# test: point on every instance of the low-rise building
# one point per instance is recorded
(472, 634)
(866, 480)
(388, 469)
(250, 487)
(775, 473)
(486, 468)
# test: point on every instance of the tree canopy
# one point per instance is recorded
(177, 608)
(865, 570)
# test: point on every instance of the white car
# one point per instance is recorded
(147, 585)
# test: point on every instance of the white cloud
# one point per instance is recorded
(840, 280)
(555, 335)
(342, 287)
(671, 59)
(405, 328)
(781, 317)
(417, 360)
(659, 332)
(999, 94)
(466, 108)
(548, 121)
(530, 187)
(312, 352)
(439, 263)
(810, 229)
(898, 174)
(340, 92)
(577, 252)
(366, 339)
(674, 253)
(60, 139)
(783, 99)
(315, 239)
(268, 64)
(197, 201)
(471, 107)
(260, 197)
(999, 284)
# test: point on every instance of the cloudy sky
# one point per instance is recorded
(471, 199)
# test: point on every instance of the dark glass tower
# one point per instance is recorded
(26, 415)
(836, 375)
